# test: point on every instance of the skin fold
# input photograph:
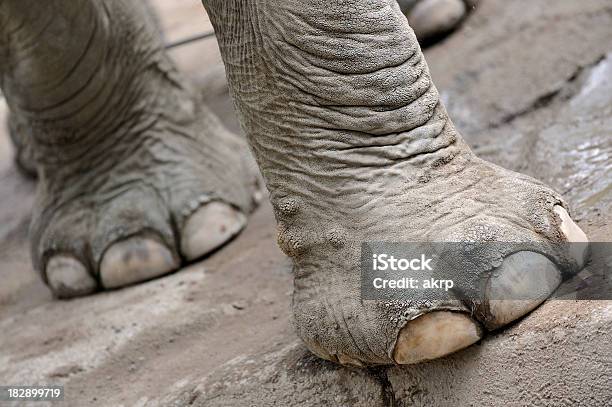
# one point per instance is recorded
(348, 131)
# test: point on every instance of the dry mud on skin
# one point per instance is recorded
(528, 83)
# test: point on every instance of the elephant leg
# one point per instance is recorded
(18, 131)
(136, 175)
(355, 146)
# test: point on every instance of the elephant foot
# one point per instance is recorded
(171, 187)
(357, 148)
(136, 175)
(432, 19)
(447, 198)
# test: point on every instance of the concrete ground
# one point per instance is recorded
(529, 84)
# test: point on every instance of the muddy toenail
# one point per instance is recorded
(135, 259)
(68, 277)
(574, 234)
(210, 227)
(434, 335)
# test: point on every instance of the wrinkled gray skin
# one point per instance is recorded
(354, 144)
(124, 149)
(338, 106)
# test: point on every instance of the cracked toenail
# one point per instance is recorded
(210, 227)
(135, 259)
(574, 234)
(434, 335)
(68, 277)
(523, 281)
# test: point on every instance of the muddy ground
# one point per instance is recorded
(529, 84)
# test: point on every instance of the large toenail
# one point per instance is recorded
(574, 234)
(135, 259)
(210, 227)
(434, 335)
(68, 277)
(522, 282)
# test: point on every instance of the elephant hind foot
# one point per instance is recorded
(136, 176)
(140, 208)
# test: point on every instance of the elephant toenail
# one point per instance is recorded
(522, 282)
(210, 227)
(135, 259)
(434, 335)
(574, 235)
(68, 277)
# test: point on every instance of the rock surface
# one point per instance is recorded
(528, 84)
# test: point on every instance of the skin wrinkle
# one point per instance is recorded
(67, 77)
(387, 95)
(45, 85)
(30, 43)
(376, 124)
(29, 60)
(79, 107)
(87, 142)
(424, 132)
(310, 115)
(322, 20)
(42, 112)
(135, 118)
(422, 87)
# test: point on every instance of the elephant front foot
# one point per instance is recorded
(357, 148)
(160, 191)
(520, 229)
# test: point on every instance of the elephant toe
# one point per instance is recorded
(134, 260)
(433, 335)
(209, 227)
(68, 277)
